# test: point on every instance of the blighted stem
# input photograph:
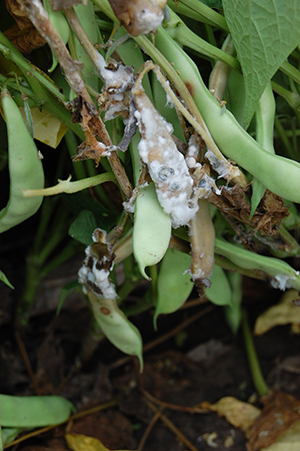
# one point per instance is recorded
(221, 71)
(40, 20)
(230, 172)
(202, 236)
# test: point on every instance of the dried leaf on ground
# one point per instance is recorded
(281, 411)
(239, 414)
(288, 441)
(286, 312)
(79, 442)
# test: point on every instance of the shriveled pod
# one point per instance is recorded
(166, 165)
(139, 16)
(94, 275)
(202, 235)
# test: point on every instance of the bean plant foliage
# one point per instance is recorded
(164, 140)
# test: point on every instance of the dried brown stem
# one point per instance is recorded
(172, 427)
(38, 16)
(148, 430)
(167, 405)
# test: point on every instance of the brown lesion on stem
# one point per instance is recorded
(97, 137)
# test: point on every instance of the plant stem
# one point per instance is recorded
(257, 376)
(206, 12)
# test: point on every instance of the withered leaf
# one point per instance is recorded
(281, 410)
(267, 217)
(23, 34)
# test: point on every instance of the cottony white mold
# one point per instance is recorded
(281, 282)
(166, 165)
(95, 278)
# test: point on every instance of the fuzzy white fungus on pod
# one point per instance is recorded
(166, 165)
(139, 16)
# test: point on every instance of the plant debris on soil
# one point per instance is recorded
(160, 408)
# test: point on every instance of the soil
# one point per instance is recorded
(201, 362)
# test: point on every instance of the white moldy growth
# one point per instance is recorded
(166, 165)
(222, 167)
(281, 282)
(94, 274)
(150, 19)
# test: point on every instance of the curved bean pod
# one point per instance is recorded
(152, 227)
(25, 168)
(116, 326)
(94, 275)
(278, 174)
(283, 275)
(151, 230)
(57, 19)
(33, 411)
(173, 284)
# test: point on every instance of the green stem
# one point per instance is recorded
(201, 10)
(291, 71)
(47, 94)
(183, 35)
(292, 98)
(255, 369)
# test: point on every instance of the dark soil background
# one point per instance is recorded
(202, 361)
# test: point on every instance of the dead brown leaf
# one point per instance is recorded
(23, 34)
(281, 410)
(239, 414)
(267, 217)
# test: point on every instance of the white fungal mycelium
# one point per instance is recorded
(94, 273)
(166, 165)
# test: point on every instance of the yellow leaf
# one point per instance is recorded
(80, 442)
(239, 414)
(47, 128)
(287, 441)
(286, 312)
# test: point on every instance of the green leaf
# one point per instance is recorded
(4, 279)
(33, 411)
(9, 434)
(220, 292)
(264, 34)
(173, 286)
(82, 228)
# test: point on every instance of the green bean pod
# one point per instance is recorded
(219, 292)
(60, 23)
(151, 230)
(280, 175)
(25, 167)
(33, 411)
(152, 226)
(174, 284)
(282, 275)
(116, 326)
